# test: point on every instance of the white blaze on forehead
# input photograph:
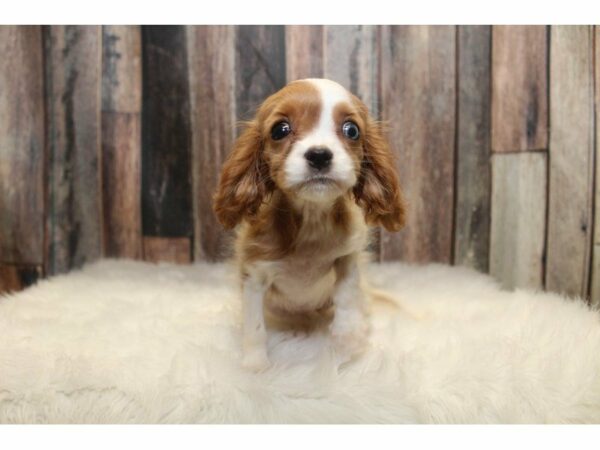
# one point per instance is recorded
(323, 135)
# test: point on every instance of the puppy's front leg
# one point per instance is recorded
(254, 339)
(350, 327)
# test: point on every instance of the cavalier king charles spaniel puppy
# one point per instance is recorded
(305, 180)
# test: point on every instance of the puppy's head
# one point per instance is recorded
(314, 141)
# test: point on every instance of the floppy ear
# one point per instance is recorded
(244, 179)
(377, 190)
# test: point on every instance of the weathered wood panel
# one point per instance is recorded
(259, 66)
(519, 88)
(211, 56)
(418, 101)
(304, 51)
(472, 215)
(121, 68)
(166, 141)
(16, 278)
(350, 57)
(519, 183)
(21, 145)
(121, 188)
(121, 140)
(595, 270)
(173, 250)
(571, 160)
(73, 84)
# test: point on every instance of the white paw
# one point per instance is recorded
(349, 333)
(256, 359)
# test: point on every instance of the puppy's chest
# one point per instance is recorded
(305, 278)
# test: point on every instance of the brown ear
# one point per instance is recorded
(244, 179)
(378, 190)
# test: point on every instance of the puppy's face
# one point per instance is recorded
(312, 139)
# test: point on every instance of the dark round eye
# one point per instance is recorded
(280, 130)
(350, 130)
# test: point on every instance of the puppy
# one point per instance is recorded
(305, 180)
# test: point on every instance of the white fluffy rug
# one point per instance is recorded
(124, 342)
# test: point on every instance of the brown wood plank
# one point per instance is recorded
(173, 250)
(16, 278)
(121, 184)
(73, 84)
(21, 145)
(519, 183)
(304, 51)
(571, 159)
(211, 56)
(121, 68)
(259, 66)
(595, 266)
(121, 140)
(472, 215)
(519, 88)
(418, 101)
(166, 135)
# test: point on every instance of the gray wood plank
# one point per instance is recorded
(418, 87)
(595, 269)
(351, 59)
(73, 86)
(259, 66)
(571, 159)
(211, 58)
(519, 88)
(21, 145)
(473, 183)
(519, 183)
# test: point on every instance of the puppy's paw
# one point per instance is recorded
(349, 333)
(256, 359)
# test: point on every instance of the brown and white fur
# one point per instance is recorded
(304, 221)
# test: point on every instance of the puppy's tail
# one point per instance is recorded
(387, 300)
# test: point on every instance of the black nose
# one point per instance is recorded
(319, 157)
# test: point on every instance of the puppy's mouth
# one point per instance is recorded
(319, 181)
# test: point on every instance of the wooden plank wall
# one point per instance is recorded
(111, 140)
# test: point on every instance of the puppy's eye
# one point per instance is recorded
(350, 130)
(280, 130)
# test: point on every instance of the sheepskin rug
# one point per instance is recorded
(131, 342)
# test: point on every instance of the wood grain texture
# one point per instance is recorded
(121, 68)
(21, 145)
(17, 278)
(304, 51)
(595, 269)
(418, 101)
(166, 137)
(121, 140)
(211, 56)
(73, 85)
(519, 88)
(172, 250)
(473, 183)
(571, 160)
(519, 183)
(259, 66)
(121, 184)
(350, 57)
